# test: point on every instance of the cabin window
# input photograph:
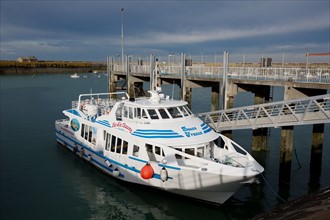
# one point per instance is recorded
(90, 134)
(153, 114)
(125, 147)
(150, 152)
(149, 148)
(220, 143)
(119, 112)
(188, 110)
(86, 132)
(175, 113)
(157, 150)
(118, 148)
(125, 112)
(104, 135)
(183, 110)
(82, 130)
(136, 150)
(177, 156)
(108, 141)
(144, 114)
(163, 113)
(200, 152)
(113, 143)
(130, 113)
(190, 151)
(137, 112)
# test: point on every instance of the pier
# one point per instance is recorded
(306, 99)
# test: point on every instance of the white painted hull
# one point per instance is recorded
(207, 187)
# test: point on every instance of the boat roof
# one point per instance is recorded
(148, 103)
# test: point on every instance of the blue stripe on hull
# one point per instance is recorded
(133, 169)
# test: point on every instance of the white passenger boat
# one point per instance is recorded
(74, 76)
(157, 142)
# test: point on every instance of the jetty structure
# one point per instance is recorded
(306, 99)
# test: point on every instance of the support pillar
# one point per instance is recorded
(229, 104)
(286, 154)
(316, 157)
(188, 96)
(215, 104)
(260, 135)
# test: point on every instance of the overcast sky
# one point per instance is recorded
(91, 29)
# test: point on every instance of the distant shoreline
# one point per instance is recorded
(62, 67)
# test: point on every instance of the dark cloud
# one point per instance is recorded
(81, 30)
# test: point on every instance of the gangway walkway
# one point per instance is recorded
(312, 110)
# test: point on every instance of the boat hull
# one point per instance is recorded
(203, 186)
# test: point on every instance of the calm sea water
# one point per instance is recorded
(42, 180)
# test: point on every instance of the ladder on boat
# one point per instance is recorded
(311, 110)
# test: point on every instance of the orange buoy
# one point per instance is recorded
(147, 172)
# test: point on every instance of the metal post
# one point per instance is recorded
(152, 67)
(183, 76)
(122, 36)
(225, 80)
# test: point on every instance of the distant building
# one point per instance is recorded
(27, 59)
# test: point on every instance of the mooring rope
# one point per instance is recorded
(273, 191)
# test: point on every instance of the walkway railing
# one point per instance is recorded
(312, 110)
(247, 73)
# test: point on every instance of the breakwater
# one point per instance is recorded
(26, 68)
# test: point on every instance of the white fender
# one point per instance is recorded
(163, 174)
(108, 163)
(81, 153)
(115, 172)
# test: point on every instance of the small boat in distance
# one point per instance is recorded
(158, 142)
(74, 76)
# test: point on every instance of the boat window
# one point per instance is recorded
(136, 150)
(130, 113)
(108, 141)
(119, 112)
(113, 143)
(125, 146)
(188, 110)
(190, 151)
(219, 142)
(82, 130)
(177, 156)
(157, 150)
(153, 113)
(151, 155)
(90, 134)
(175, 113)
(144, 114)
(86, 132)
(149, 148)
(125, 112)
(118, 148)
(200, 152)
(104, 135)
(137, 112)
(163, 113)
(183, 110)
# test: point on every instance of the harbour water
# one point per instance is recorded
(39, 179)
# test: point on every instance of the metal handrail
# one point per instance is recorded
(247, 73)
(312, 110)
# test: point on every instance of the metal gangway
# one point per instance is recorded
(312, 110)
